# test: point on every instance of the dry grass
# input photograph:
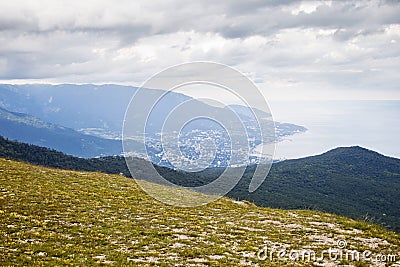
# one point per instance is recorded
(57, 217)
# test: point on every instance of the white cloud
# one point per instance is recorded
(292, 49)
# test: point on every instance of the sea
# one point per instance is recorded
(372, 124)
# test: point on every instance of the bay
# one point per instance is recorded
(371, 124)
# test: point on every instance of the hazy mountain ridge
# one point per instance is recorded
(99, 110)
(70, 105)
(28, 129)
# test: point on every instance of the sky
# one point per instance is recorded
(292, 50)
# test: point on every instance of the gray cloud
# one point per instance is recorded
(315, 43)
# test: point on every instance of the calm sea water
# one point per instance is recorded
(371, 124)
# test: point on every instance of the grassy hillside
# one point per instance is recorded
(350, 181)
(59, 217)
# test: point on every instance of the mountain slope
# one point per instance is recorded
(70, 105)
(353, 181)
(99, 109)
(25, 128)
(57, 217)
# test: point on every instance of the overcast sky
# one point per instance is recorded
(291, 49)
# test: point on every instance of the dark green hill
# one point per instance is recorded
(52, 158)
(350, 181)
(111, 164)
